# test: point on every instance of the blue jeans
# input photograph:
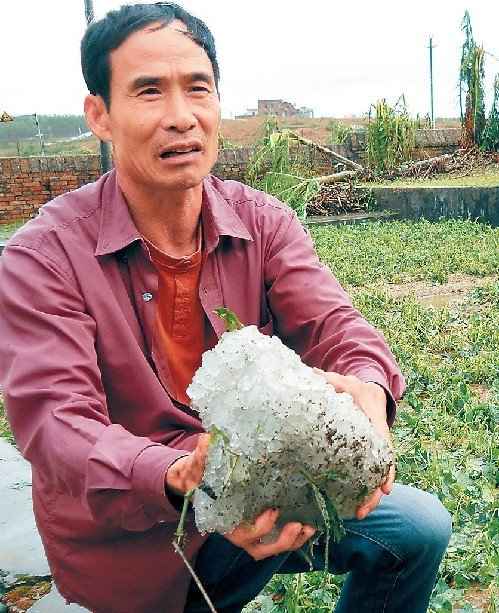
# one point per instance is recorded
(392, 557)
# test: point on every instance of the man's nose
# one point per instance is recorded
(178, 114)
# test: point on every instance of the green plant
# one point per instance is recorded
(471, 77)
(275, 171)
(338, 132)
(7, 230)
(225, 143)
(5, 431)
(490, 139)
(391, 135)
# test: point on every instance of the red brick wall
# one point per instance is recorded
(27, 183)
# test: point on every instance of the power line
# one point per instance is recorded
(492, 55)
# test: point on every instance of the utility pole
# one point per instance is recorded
(89, 11)
(431, 83)
(105, 156)
(40, 135)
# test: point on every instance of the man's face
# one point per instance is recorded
(164, 113)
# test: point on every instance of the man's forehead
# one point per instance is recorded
(157, 45)
(159, 38)
(175, 24)
(171, 32)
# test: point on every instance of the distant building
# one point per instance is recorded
(5, 117)
(306, 111)
(248, 113)
(281, 108)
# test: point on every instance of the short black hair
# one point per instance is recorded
(111, 31)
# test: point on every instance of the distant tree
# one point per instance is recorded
(51, 126)
(490, 140)
(471, 88)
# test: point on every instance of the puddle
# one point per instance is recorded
(442, 300)
(453, 293)
(483, 393)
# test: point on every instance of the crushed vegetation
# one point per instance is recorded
(447, 429)
(22, 594)
(339, 199)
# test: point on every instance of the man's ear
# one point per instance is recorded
(97, 117)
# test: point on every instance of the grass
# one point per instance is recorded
(488, 177)
(27, 148)
(447, 428)
(7, 230)
(446, 432)
(4, 426)
(402, 251)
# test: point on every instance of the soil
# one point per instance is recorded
(452, 293)
(244, 132)
(479, 598)
(22, 598)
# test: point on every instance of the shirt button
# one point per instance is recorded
(147, 296)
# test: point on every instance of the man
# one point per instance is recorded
(107, 303)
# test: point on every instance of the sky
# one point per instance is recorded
(336, 57)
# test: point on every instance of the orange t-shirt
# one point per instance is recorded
(180, 322)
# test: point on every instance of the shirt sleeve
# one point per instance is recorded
(56, 403)
(315, 316)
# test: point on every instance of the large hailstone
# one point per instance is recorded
(282, 437)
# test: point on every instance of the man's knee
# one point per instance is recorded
(441, 526)
(428, 523)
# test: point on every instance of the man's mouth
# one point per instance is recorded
(179, 151)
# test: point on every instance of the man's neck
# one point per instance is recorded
(168, 220)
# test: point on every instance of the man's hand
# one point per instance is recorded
(371, 398)
(187, 473)
(248, 537)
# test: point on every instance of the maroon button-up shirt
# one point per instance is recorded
(87, 388)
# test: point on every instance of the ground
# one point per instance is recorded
(238, 132)
(433, 289)
(480, 176)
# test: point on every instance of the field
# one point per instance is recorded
(237, 132)
(433, 289)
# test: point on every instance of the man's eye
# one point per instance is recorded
(150, 91)
(200, 88)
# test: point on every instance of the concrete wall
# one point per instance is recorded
(429, 143)
(478, 203)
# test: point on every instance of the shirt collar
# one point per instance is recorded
(117, 229)
(219, 218)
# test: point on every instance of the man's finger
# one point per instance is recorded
(306, 533)
(370, 504)
(339, 382)
(387, 486)
(201, 450)
(289, 534)
(249, 533)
